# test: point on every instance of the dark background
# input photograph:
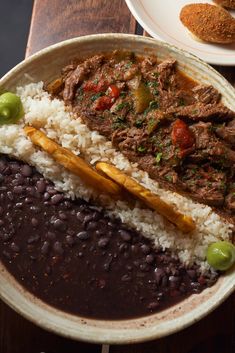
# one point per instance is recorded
(14, 27)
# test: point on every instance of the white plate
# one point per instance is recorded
(160, 18)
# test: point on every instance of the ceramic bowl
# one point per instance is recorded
(45, 65)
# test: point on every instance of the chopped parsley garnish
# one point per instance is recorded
(151, 122)
(153, 84)
(195, 111)
(128, 65)
(158, 157)
(95, 81)
(118, 123)
(156, 74)
(96, 96)
(79, 94)
(181, 102)
(121, 106)
(141, 149)
(146, 111)
(123, 94)
(168, 177)
(153, 105)
(194, 170)
(213, 128)
(79, 98)
(139, 122)
(121, 118)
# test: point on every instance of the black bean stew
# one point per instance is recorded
(174, 128)
(76, 258)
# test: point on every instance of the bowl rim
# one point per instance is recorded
(98, 335)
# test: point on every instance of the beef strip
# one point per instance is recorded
(227, 133)
(188, 102)
(130, 139)
(78, 75)
(166, 71)
(125, 71)
(166, 79)
(97, 122)
(206, 94)
(206, 184)
(208, 146)
(203, 112)
(69, 68)
(121, 107)
(163, 73)
(168, 101)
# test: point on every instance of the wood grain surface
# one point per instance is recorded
(57, 20)
(18, 335)
(53, 21)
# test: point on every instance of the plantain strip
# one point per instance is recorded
(55, 86)
(73, 163)
(183, 222)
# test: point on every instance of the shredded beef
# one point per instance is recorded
(98, 123)
(78, 75)
(227, 133)
(206, 94)
(209, 147)
(203, 112)
(166, 71)
(202, 168)
(206, 184)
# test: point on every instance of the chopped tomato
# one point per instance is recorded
(94, 86)
(103, 103)
(89, 86)
(113, 91)
(181, 135)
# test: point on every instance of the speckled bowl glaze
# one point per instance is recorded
(45, 65)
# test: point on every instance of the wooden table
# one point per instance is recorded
(53, 21)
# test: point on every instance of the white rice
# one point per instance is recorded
(60, 125)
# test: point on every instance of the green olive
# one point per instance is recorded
(221, 255)
(11, 108)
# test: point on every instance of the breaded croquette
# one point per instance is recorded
(209, 23)
(230, 4)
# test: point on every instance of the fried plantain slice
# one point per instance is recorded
(55, 86)
(73, 163)
(183, 222)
